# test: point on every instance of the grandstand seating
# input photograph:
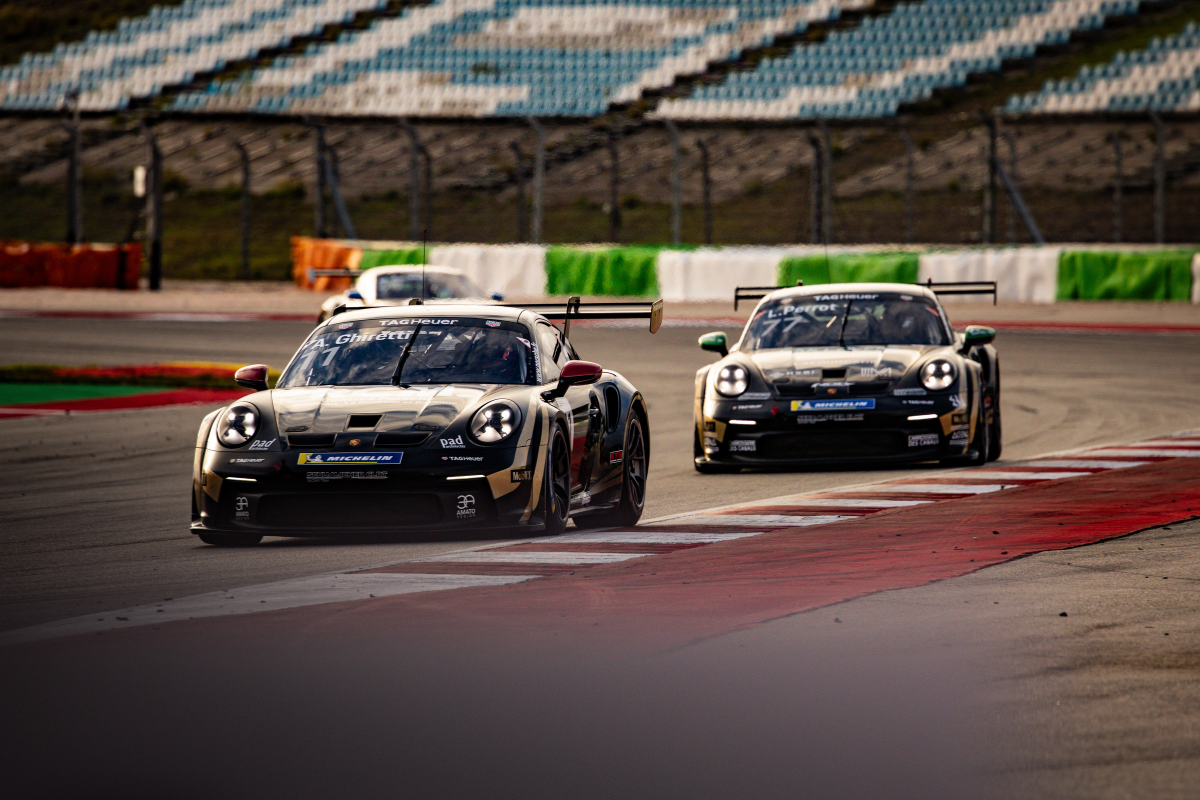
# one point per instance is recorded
(170, 45)
(476, 58)
(870, 70)
(1163, 77)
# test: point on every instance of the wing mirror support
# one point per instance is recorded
(715, 342)
(252, 377)
(574, 373)
(354, 294)
(977, 336)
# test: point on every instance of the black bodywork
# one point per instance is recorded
(850, 401)
(329, 459)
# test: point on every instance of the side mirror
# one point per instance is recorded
(715, 342)
(252, 377)
(574, 373)
(497, 296)
(977, 336)
(354, 294)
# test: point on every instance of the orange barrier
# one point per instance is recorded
(309, 254)
(95, 266)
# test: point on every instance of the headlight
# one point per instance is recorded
(732, 380)
(237, 426)
(938, 375)
(495, 423)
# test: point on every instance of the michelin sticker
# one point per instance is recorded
(833, 405)
(349, 458)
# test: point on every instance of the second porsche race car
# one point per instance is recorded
(855, 372)
(428, 417)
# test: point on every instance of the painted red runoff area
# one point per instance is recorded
(170, 397)
(672, 598)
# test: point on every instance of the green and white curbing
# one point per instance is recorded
(1023, 274)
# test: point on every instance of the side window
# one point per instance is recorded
(550, 345)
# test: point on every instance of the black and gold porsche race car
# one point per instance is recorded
(426, 417)
(855, 372)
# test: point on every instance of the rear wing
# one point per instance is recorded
(575, 308)
(962, 287)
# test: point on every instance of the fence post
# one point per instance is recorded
(1118, 188)
(614, 188)
(414, 181)
(334, 177)
(706, 184)
(815, 179)
(154, 202)
(676, 191)
(539, 179)
(1160, 181)
(909, 179)
(245, 156)
(74, 170)
(826, 182)
(520, 159)
(319, 224)
(1012, 172)
(989, 187)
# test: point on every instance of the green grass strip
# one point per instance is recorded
(18, 393)
(385, 258)
(1153, 275)
(853, 268)
(617, 271)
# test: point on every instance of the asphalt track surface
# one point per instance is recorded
(969, 687)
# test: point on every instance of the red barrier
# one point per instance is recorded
(95, 266)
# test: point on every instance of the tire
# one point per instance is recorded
(231, 539)
(633, 483)
(557, 487)
(703, 465)
(982, 441)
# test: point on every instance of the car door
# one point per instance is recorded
(581, 404)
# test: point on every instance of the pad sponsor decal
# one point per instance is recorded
(452, 442)
(329, 475)
(743, 446)
(520, 475)
(349, 458)
(922, 439)
(756, 395)
(910, 393)
(261, 444)
(864, 404)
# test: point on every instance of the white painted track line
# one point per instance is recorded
(313, 591)
(506, 557)
(651, 536)
(1138, 452)
(1015, 475)
(1081, 463)
(848, 502)
(763, 520)
(929, 488)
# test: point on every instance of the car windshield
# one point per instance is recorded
(831, 320)
(438, 285)
(368, 353)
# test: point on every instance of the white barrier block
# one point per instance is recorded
(711, 274)
(1022, 274)
(517, 270)
(1196, 278)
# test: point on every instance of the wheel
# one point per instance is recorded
(703, 465)
(995, 445)
(633, 483)
(231, 539)
(558, 483)
(980, 443)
